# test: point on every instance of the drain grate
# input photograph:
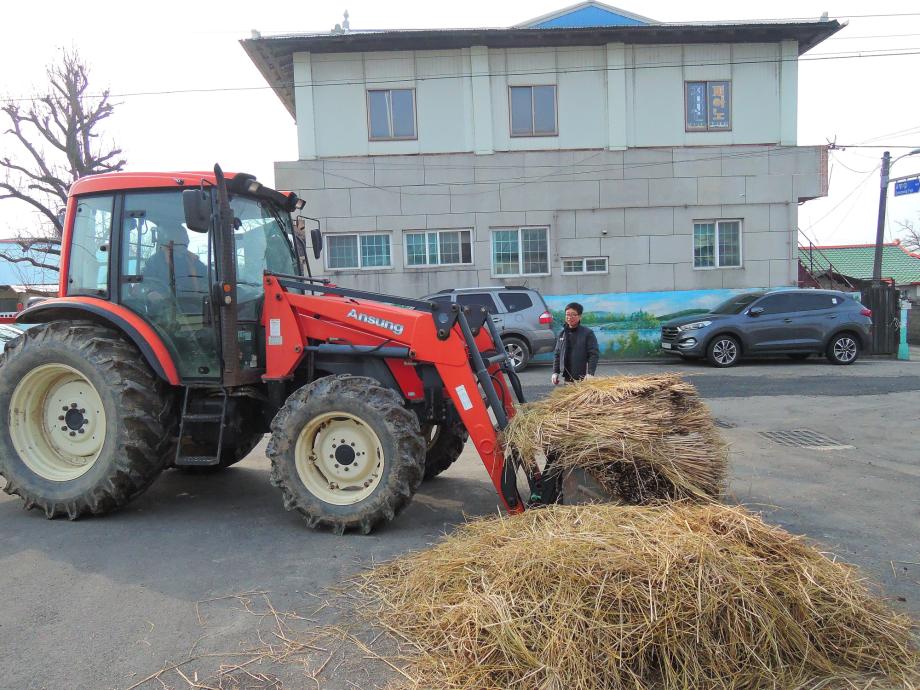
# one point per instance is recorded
(804, 438)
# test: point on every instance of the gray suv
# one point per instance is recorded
(523, 319)
(797, 323)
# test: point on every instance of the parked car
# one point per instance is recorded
(7, 333)
(797, 323)
(523, 319)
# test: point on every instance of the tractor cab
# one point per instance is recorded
(185, 267)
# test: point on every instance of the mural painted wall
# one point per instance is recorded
(628, 325)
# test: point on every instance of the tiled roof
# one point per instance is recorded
(856, 261)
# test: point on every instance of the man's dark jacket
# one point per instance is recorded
(582, 344)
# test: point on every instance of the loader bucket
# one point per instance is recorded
(579, 487)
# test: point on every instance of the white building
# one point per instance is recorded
(589, 151)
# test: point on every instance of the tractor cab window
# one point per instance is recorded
(88, 273)
(165, 278)
(262, 241)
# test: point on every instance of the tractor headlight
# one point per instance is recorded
(695, 326)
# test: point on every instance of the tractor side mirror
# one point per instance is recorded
(316, 237)
(755, 311)
(197, 206)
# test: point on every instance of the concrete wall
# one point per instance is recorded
(636, 207)
(614, 96)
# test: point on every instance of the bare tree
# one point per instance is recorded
(910, 235)
(53, 141)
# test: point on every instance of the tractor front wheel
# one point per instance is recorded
(85, 425)
(346, 453)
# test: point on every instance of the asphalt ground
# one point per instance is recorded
(190, 567)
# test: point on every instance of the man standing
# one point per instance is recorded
(576, 349)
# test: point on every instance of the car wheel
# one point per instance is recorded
(800, 355)
(723, 351)
(843, 349)
(518, 353)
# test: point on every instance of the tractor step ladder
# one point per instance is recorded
(203, 418)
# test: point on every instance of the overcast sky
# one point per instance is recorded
(234, 119)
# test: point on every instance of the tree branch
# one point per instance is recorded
(54, 139)
(13, 193)
(27, 259)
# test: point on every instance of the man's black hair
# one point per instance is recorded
(576, 306)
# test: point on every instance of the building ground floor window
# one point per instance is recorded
(717, 244)
(520, 251)
(357, 251)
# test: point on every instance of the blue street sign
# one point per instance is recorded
(910, 186)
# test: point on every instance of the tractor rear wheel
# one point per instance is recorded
(445, 443)
(86, 425)
(346, 453)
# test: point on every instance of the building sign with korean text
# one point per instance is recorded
(708, 106)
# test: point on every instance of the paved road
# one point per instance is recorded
(101, 603)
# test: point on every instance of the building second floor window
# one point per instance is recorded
(520, 252)
(438, 248)
(357, 251)
(391, 114)
(708, 106)
(717, 244)
(533, 111)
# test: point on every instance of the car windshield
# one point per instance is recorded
(736, 304)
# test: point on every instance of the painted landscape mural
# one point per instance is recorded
(628, 325)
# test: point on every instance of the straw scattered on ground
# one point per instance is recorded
(644, 438)
(613, 597)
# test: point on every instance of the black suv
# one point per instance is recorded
(523, 319)
(797, 323)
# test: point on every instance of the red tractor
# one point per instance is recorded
(185, 329)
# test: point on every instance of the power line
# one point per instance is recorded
(844, 199)
(865, 36)
(864, 54)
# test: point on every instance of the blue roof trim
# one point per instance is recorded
(22, 272)
(588, 16)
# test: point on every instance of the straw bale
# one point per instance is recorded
(613, 597)
(644, 438)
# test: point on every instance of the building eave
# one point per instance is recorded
(274, 55)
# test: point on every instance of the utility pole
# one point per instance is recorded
(880, 230)
(882, 204)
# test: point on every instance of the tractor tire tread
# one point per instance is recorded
(407, 465)
(446, 449)
(145, 434)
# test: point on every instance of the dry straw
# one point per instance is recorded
(617, 597)
(645, 438)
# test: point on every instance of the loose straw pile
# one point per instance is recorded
(644, 438)
(619, 597)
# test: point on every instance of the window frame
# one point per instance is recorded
(708, 127)
(115, 201)
(357, 236)
(718, 259)
(532, 134)
(584, 265)
(518, 229)
(428, 265)
(367, 100)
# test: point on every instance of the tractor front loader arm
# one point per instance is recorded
(464, 348)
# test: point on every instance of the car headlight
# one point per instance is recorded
(695, 326)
